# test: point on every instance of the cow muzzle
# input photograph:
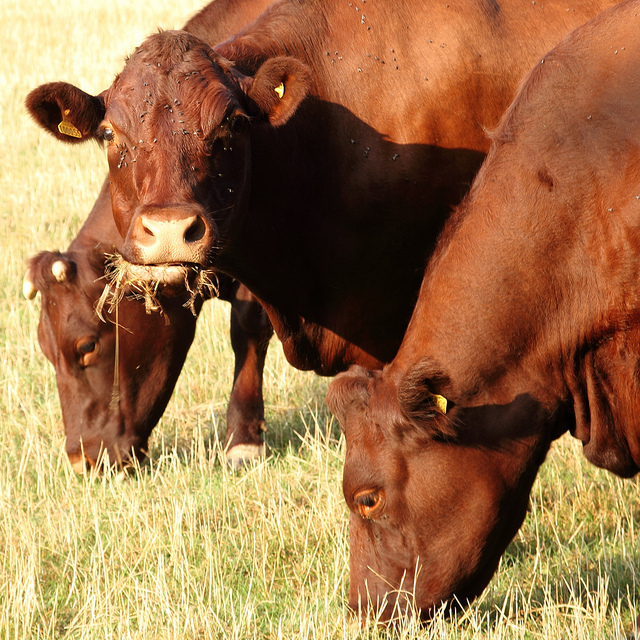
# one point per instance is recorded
(102, 460)
(377, 600)
(86, 467)
(161, 235)
(80, 462)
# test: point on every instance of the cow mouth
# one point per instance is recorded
(165, 275)
(149, 282)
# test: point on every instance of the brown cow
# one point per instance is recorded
(89, 394)
(527, 326)
(113, 410)
(315, 155)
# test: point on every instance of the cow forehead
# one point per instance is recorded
(189, 99)
(176, 63)
(171, 50)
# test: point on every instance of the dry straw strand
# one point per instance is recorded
(123, 279)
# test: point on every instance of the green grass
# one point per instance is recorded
(183, 548)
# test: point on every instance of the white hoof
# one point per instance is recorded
(243, 454)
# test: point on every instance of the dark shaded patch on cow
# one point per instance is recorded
(546, 179)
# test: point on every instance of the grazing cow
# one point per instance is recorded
(110, 403)
(527, 326)
(315, 155)
(86, 394)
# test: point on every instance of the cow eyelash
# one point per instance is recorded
(368, 503)
(87, 347)
(367, 499)
(87, 350)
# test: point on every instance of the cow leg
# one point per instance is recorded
(250, 335)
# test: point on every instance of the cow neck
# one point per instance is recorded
(345, 263)
(509, 304)
(283, 29)
(221, 19)
(306, 316)
(99, 229)
(534, 287)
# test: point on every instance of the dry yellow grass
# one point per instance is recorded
(184, 549)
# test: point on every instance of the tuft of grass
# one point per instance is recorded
(183, 548)
(147, 283)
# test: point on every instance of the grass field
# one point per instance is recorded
(184, 549)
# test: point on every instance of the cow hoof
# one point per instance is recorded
(244, 454)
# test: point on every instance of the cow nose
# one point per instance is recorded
(191, 229)
(80, 462)
(161, 235)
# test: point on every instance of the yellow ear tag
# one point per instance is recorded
(68, 129)
(280, 90)
(441, 404)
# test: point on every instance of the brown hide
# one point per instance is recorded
(527, 322)
(113, 413)
(220, 19)
(328, 218)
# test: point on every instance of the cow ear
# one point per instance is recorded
(46, 268)
(35, 279)
(64, 269)
(30, 285)
(348, 390)
(68, 113)
(279, 87)
(421, 399)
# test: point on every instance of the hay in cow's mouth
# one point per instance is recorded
(147, 282)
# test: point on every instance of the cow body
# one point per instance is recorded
(111, 403)
(315, 155)
(527, 323)
(113, 411)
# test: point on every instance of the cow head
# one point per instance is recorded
(113, 384)
(434, 497)
(176, 123)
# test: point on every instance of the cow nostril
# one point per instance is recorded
(195, 231)
(147, 230)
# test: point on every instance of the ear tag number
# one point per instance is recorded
(68, 129)
(280, 90)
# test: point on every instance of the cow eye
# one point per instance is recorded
(369, 503)
(89, 346)
(107, 134)
(88, 350)
(236, 123)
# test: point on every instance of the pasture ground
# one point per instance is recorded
(184, 549)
